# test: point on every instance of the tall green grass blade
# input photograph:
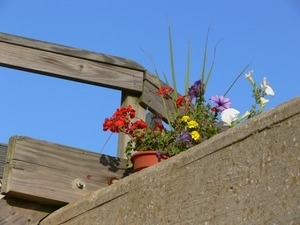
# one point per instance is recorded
(204, 58)
(236, 79)
(212, 65)
(188, 72)
(172, 63)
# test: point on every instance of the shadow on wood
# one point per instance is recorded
(113, 164)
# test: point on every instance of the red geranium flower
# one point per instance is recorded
(124, 112)
(107, 124)
(139, 124)
(164, 91)
(180, 101)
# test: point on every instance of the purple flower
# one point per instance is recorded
(196, 89)
(186, 137)
(222, 102)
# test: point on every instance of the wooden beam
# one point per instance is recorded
(150, 99)
(70, 63)
(54, 174)
(83, 66)
(69, 51)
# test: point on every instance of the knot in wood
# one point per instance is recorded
(81, 67)
(112, 180)
(78, 184)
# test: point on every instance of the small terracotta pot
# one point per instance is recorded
(145, 159)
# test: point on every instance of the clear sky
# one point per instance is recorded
(263, 32)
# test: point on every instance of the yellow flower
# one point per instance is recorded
(185, 118)
(195, 135)
(192, 124)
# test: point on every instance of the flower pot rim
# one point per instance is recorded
(148, 152)
(143, 159)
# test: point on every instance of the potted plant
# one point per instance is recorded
(144, 138)
(191, 121)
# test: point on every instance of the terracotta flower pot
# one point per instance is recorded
(145, 159)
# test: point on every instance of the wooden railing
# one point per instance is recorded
(138, 86)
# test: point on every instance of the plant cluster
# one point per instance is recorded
(192, 119)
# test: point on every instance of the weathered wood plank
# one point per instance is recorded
(80, 65)
(69, 51)
(55, 174)
(20, 212)
(150, 99)
(69, 67)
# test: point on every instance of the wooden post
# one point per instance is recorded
(133, 100)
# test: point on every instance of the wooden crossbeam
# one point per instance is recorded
(53, 174)
(80, 65)
(70, 63)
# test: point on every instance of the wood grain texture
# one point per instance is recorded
(69, 51)
(55, 174)
(82, 66)
(70, 67)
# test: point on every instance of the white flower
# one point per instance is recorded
(249, 76)
(229, 115)
(266, 87)
(247, 113)
(264, 101)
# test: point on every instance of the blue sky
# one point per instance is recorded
(263, 32)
